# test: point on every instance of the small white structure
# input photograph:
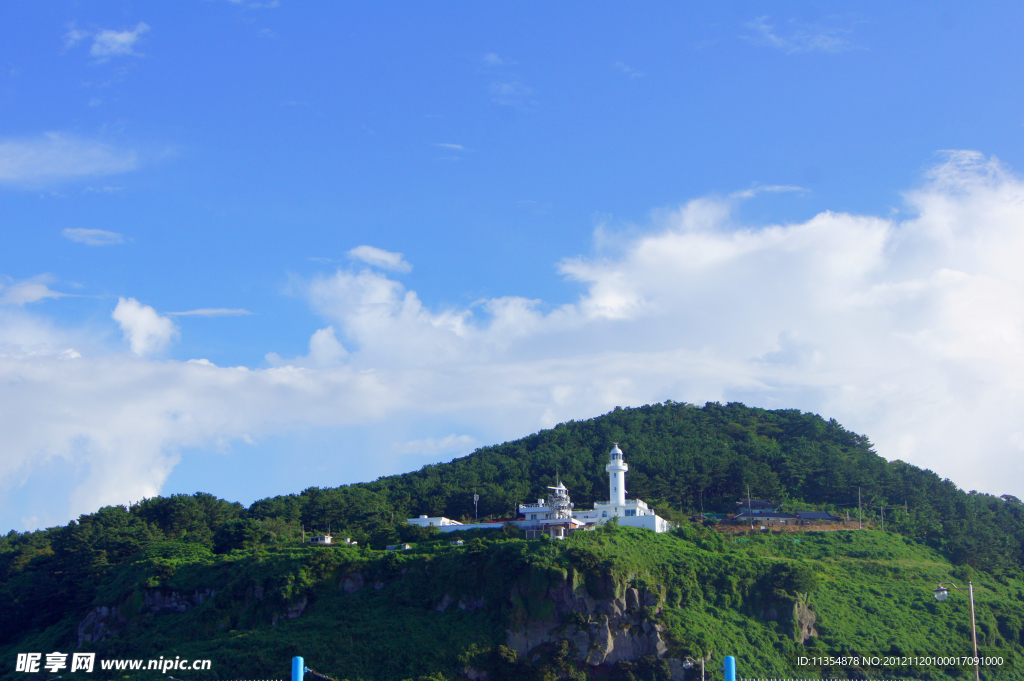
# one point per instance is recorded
(322, 540)
(440, 521)
(552, 516)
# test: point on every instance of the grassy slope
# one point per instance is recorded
(873, 595)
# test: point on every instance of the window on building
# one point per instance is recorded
(604, 514)
(630, 511)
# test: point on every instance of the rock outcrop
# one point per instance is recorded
(291, 611)
(600, 631)
(100, 624)
(353, 582)
(804, 619)
(105, 621)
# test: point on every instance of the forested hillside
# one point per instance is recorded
(246, 571)
(679, 455)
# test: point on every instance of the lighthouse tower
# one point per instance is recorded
(616, 477)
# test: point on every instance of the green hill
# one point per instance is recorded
(195, 577)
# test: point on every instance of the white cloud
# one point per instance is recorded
(492, 59)
(909, 331)
(454, 147)
(145, 330)
(55, 157)
(380, 258)
(120, 420)
(92, 237)
(107, 43)
(28, 291)
(433, 447)
(799, 37)
(74, 36)
(324, 351)
(211, 312)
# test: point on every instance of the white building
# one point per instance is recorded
(552, 516)
(556, 517)
(440, 521)
(326, 539)
(630, 512)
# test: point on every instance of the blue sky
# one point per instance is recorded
(251, 247)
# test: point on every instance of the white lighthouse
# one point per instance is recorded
(616, 476)
(629, 512)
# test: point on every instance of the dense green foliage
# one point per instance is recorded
(681, 458)
(870, 591)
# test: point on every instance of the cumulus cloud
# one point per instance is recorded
(391, 325)
(324, 351)
(54, 157)
(910, 331)
(92, 237)
(120, 421)
(380, 258)
(145, 330)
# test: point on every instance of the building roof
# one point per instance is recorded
(761, 515)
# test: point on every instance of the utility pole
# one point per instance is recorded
(860, 515)
(476, 508)
(750, 510)
(881, 513)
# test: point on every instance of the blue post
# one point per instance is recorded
(730, 668)
(298, 668)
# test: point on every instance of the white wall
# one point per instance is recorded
(648, 522)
